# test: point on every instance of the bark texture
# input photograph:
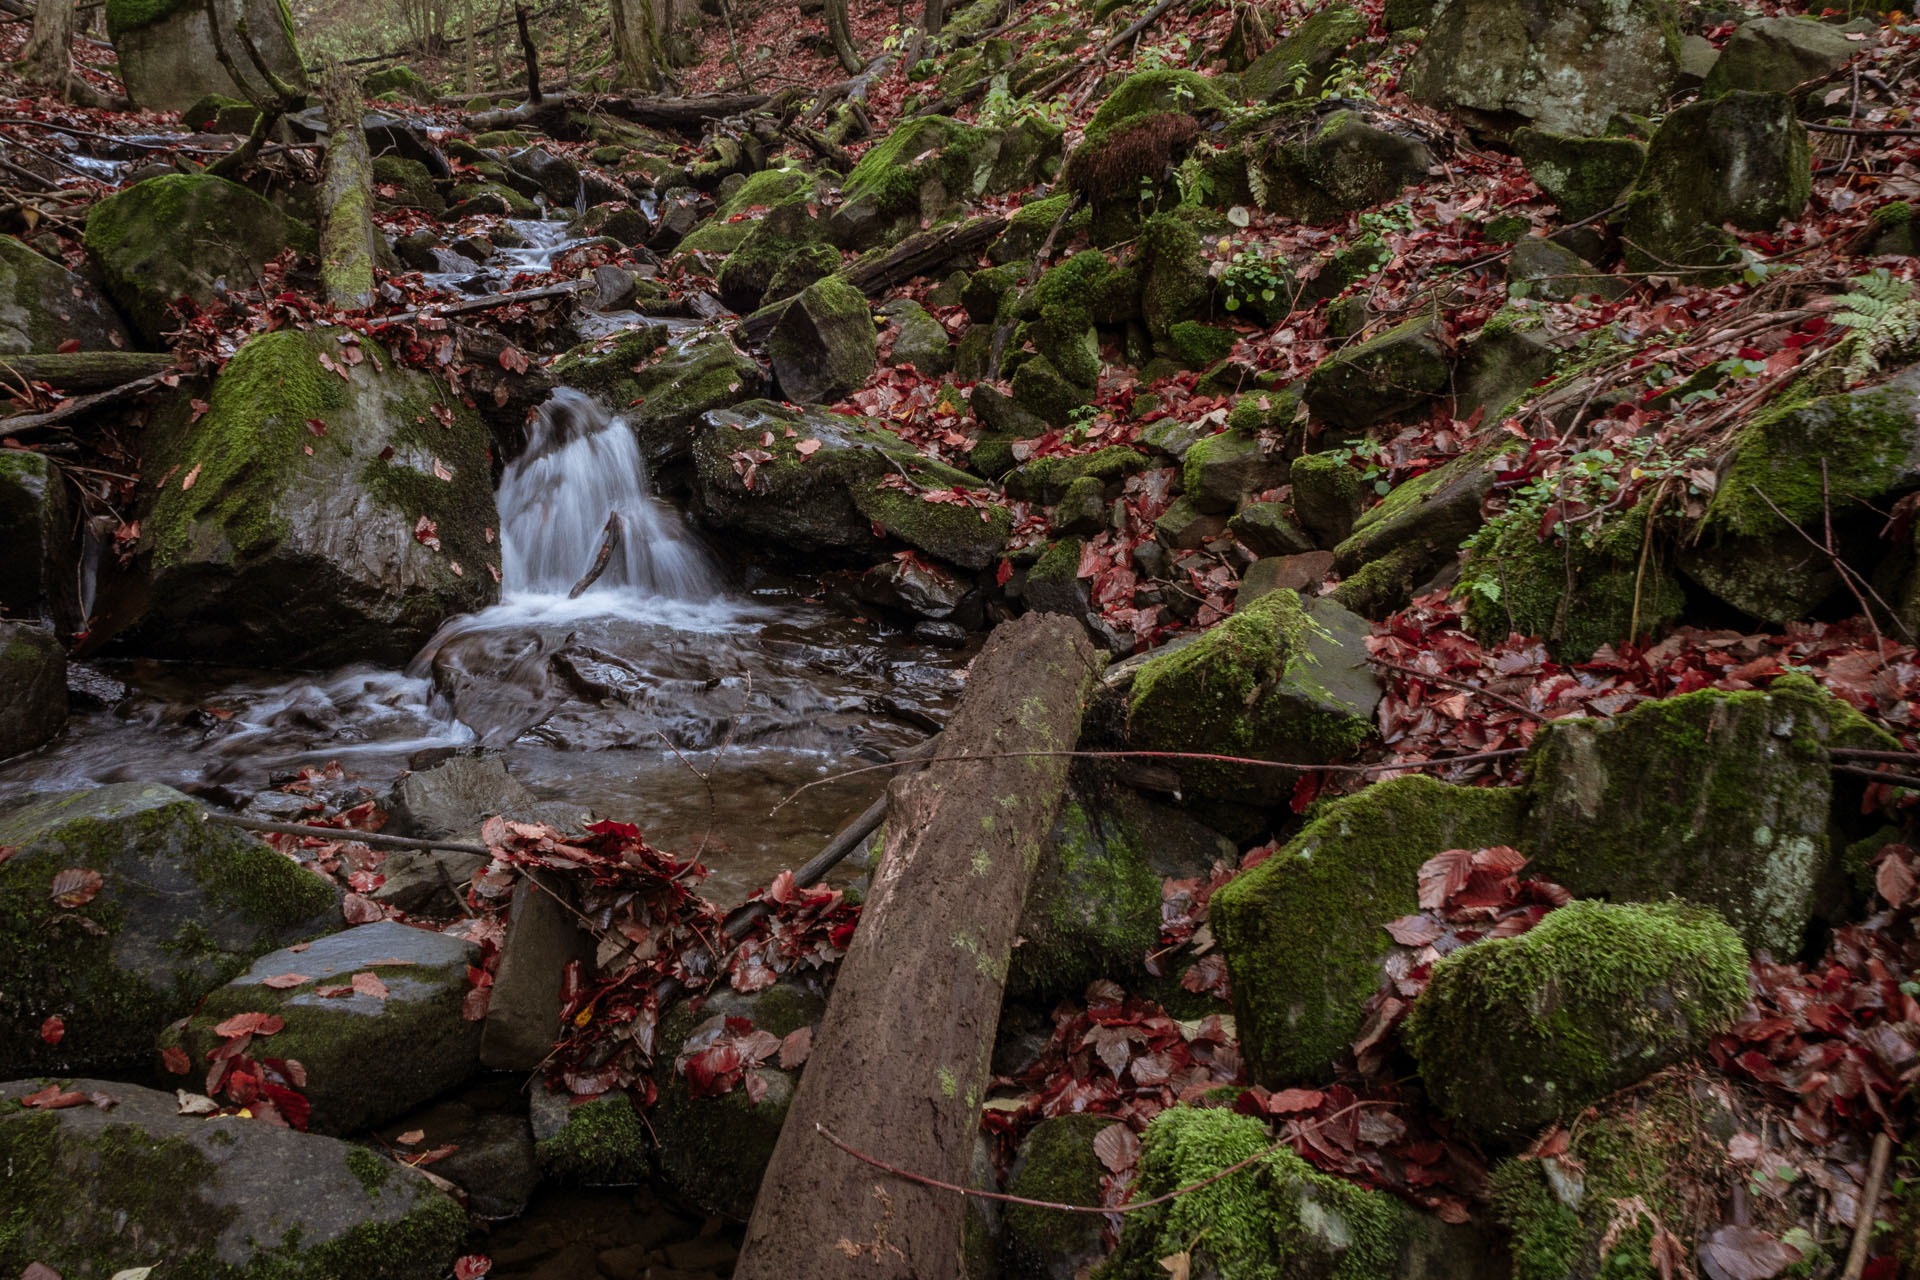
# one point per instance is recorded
(346, 197)
(635, 44)
(841, 30)
(48, 58)
(901, 1062)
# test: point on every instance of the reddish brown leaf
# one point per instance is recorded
(1415, 931)
(1443, 875)
(75, 887)
(175, 1060)
(796, 1048)
(53, 1030)
(1894, 880)
(369, 984)
(1742, 1253)
(258, 1024)
(281, 981)
(1117, 1148)
(1289, 1101)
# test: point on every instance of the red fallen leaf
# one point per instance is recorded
(281, 981)
(241, 1024)
(359, 910)
(1415, 931)
(1117, 1148)
(293, 1107)
(1443, 875)
(68, 347)
(796, 1048)
(472, 1267)
(712, 1072)
(1003, 573)
(53, 1030)
(316, 426)
(333, 990)
(1742, 1253)
(75, 887)
(39, 1270)
(1289, 1101)
(54, 1098)
(369, 984)
(175, 1060)
(427, 533)
(1894, 880)
(192, 475)
(513, 360)
(412, 1138)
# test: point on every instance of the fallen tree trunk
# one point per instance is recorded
(86, 370)
(900, 1063)
(346, 197)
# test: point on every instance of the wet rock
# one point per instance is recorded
(1302, 931)
(1278, 680)
(167, 58)
(275, 541)
(1326, 496)
(1380, 378)
(543, 937)
(672, 384)
(912, 585)
(1565, 67)
(427, 882)
(823, 345)
(43, 306)
(1056, 1162)
(182, 234)
(597, 1143)
(182, 906)
(714, 1150)
(1553, 273)
(830, 498)
(33, 687)
(369, 1058)
(1515, 1033)
(1265, 529)
(94, 1191)
(1638, 808)
(454, 797)
(1775, 55)
(1741, 158)
(919, 339)
(1218, 472)
(614, 288)
(37, 576)
(941, 635)
(1581, 175)
(557, 179)
(1298, 64)
(493, 1164)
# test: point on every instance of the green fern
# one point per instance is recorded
(1882, 317)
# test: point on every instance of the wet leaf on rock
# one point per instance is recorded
(75, 887)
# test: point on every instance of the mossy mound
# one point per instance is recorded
(412, 183)
(1380, 378)
(1056, 1163)
(1046, 480)
(918, 172)
(404, 81)
(1298, 64)
(594, 1144)
(1276, 681)
(787, 230)
(1515, 1033)
(1302, 931)
(176, 235)
(182, 908)
(94, 1192)
(1278, 1220)
(1145, 124)
(1582, 175)
(824, 346)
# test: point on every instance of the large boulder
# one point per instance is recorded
(823, 346)
(1220, 471)
(1581, 175)
(1515, 1033)
(43, 306)
(33, 687)
(1742, 158)
(1279, 680)
(180, 907)
(791, 230)
(37, 577)
(1298, 63)
(1776, 55)
(823, 486)
(368, 1057)
(1347, 161)
(1302, 932)
(168, 58)
(918, 172)
(1719, 798)
(662, 386)
(1798, 466)
(1380, 378)
(101, 1190)
(318, 512)
(1427, 516)
(1562, 66)
(180, 235)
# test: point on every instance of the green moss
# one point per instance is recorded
(1173, 276)
(1277, 1220)
(892, 173)
(1198, 345)
(1047, 479)
(1894, 213)
(404, 81)
(124, 16)
(1146, 93)
(518, 206)
(1062, 301)
(1514, 1033)
(1094, 909)
(1057, 1163)
(603, 1143)
(1302, 931)
(370, 1170)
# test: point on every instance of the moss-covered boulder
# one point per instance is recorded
(1298, 63)
(788, 229)
(1742, 158)
(598, 1143)
(1516, 1033)
(44, 306)
(830, 497)
(1326, 496)
(178, 234)
(369, 1057)
(1719, 798)
(1267, 529)
(919, 339)
(167, 56)
(662, 387)
(402, 81)
(1174, 284)
(93, 1192)
(1046, 480)
(1839, 457)
(318, 511)
(37, 578)
(1776, 55)
(404, 183)
(1028, 228)
(1063, 303)
(1428, 516)
(1043, 390)
(1279, 680)
(1347, 160)
(217, 113)
(1057, 1163)
(824, 346)
(1220, 471)
(33, 686)
(919, 172)
(1280, 1218)
(714, 1150)
(1581, 175)
(1146, 123)
(182, 906)
(1565, 67)
(1302, 932)
(1380, 378)
(1545, 269)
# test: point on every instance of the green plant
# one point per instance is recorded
(1881, 316)
(1172, 56)
(1253, 277)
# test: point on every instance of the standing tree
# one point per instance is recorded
(635, 44)
(841, 29)
(48, 58)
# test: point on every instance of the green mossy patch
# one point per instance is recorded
(1057, 1163)
(603, 1143)
(1094, 909)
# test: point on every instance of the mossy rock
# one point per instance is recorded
(92, 1192)
(217, 113)
(1777, 55)
(1278, 1219)
(600, 1143)
(1719, 798)
(1581, 175)
(1219, 471)
(919, 339)
(1174, 284)
(1502, 364)
(1327, 494)
(1381, 378)
(468, 198)
(1046, 480)
(786, 230)
(1028, 229)
(1062, 303)
(33, 686)
(1199, 346)
(176, 235)
(1278, 680)
(1302, 932)
(414, 187)
(1513, 1034)
(184, 906)
(1298, 64)
(1430, 514)
(285, 526)
(1056, 1163)
(404, 81)
(919, 172)
(823, 346)
(1042, 390)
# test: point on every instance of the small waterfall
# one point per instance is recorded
(581, 466)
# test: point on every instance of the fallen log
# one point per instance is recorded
(346, 197)
(901, 1060)
(85, 370)
(683, 113)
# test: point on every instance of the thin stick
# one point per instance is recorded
(1863, 753)
(342, 834)
(610, 536)
(1486, 693)
(1891, 779)
(1869, 1202)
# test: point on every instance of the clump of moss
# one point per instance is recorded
(1058, 1164)
(1515, 1033)
(893, 174)
(1276, 1220)
(603, 1143)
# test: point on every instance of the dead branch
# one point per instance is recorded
(610, 538)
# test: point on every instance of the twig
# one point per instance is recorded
(1827, 548)
(1869, 1203)
(1863, 753)
(1874, 775)
(610, 538)
(1849, 130)
(1489, 694)
(78, 405)
(342, 834)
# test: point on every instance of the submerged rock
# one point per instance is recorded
(43, 306)
(181, 906)
(1302, 932)
(33, 687)
(1515, 1033)
(315, 514)
(167, 57)
(368, 1057)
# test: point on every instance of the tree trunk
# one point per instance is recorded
(48, 58)
(841, 30)
(933, 15)
(472, 50)
(902, 1059)
(346, 197)
(635, 45)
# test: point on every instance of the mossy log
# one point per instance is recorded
(346, 198)
(902, 1059)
